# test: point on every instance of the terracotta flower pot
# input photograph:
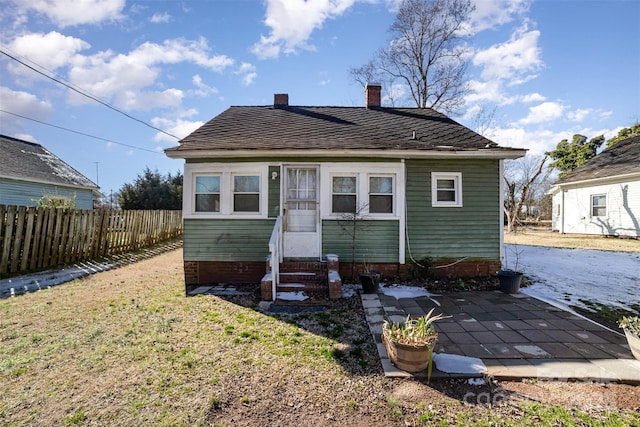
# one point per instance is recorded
(634, 343)
(408, 357)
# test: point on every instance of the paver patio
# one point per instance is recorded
(515, 336)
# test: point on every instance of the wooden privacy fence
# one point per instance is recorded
(34, 238)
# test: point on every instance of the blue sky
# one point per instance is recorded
(549, 68)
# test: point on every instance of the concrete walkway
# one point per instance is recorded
(508, 337)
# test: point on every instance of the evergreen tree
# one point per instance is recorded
(151, 190)
(569, 155)
(624, 134)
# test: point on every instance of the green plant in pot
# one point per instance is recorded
(631, 327)
(410, 343)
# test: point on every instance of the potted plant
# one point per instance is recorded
(510, 279)
(631, 327)
(410, 343)
(369, 279)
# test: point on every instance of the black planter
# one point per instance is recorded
(370, 281)
(510, 281)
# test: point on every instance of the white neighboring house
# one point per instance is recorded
(603, 195)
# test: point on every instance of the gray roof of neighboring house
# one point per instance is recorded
(28, 161)
(284, 127)
(621, 159)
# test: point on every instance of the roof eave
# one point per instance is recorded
(503, 153)
(600, 180)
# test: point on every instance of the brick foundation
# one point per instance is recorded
(462, 269)
(235, 272)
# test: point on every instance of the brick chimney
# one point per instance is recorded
(280, 100)
(372, 95)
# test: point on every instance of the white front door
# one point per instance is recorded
(301, 218)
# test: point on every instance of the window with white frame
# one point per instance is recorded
(344, 194)
(246, 193)
(381, 194)
(222, 189)
(207, 193)
(598, 205)
(446, 189)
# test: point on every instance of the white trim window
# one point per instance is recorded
(598, 205)
(207, 193)
(344, 194)
(446, 189)
(246, 193)
(214, 189)
(381, 194)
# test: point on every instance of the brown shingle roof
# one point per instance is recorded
(621, 159)
(343, 128)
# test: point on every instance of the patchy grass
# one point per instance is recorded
(126, 347)
(537, 236)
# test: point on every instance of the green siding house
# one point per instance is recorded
(28, 172)
(293, 183)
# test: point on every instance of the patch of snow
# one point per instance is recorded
(457, 364)
(402, 291)
(566, 277)
(532, 350)
(292, 296)
(350, 290)
(476, 381)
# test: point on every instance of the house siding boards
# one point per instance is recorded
(614, 173)
(226, 239)
(622, 207)
(376, 241)
(453, 233)
(23, 193)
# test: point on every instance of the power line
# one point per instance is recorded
(87, 95)
(78, 132)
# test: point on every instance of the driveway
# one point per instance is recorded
(570, 276)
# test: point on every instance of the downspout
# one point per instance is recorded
(561, 211)
(501, 210)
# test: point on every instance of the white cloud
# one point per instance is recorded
(24, 104)
(69, 12)
(533, 97)
(178, 127)
(248, 73)
(292, 22)
(544, 112)
(160, 18)
(514, 60)
(488, 91)
(102, 74)
(52, 50)
(202, 88)
(579, 114)
(494, 13)
(536, 141)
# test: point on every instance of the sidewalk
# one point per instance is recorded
(508, 337)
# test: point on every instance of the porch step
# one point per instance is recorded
(314, 278)
(302, 277)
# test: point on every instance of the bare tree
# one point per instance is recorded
(522, 177)
(426, 53)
